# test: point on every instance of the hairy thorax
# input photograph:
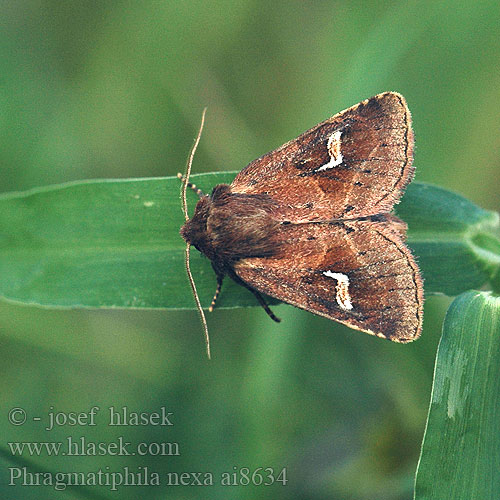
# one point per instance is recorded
(230, 226)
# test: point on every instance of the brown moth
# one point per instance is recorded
(310, 224)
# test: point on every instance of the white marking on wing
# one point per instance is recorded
(343, 298)
(333, 147)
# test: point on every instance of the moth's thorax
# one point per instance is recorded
(230, 226)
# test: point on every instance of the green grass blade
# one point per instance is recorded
(116, 243)
(455, 241)
(460, 456)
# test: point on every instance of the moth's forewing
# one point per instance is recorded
(381, 291)
(355, 164)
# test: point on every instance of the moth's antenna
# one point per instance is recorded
(197, 300)
(186, 217)
(188, 166)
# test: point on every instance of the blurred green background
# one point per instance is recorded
(97, 89)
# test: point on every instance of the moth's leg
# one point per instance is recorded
(261, 300)
(217, 291)
(258, 296)
(263, 303)
(192, 186)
